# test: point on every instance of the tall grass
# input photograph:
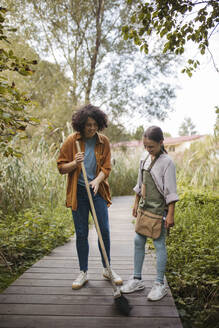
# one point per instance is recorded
(199, 165)
(123, 176)
(31, 180)
(33, 216)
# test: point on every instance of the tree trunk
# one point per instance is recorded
(74, 86)
(99, 20)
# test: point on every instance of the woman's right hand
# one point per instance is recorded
(143, 191)
(79, 157)
(135, 207)
(134, 211)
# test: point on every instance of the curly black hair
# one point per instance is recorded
(79, 118)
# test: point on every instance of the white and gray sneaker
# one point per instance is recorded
(132, 285)
(80, 280)
(116, 278)
(157, 292)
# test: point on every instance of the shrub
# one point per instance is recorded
(193, 252)
(30, 235)
(33, 217)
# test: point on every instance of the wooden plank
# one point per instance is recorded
(86, 290)
(94, 260)
(66, 283)
(86, 309)
(125, 273)
(88, 322)
(71, 264)
(78, 299)
(64, 275)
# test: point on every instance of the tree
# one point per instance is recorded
(117, 132)
(139, 132)
(14, 117)
(85, 38)
(179, 21)
(187, 128)
(167, 135)
(48, 87)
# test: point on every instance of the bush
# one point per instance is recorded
(33, 216)
(193, 252)
(30, 235)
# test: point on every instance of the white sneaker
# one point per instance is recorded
(132, 285)
(80, 280)
(116, 278)
(157, 292)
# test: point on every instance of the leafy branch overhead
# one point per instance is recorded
(84, 38)
(179, 21)
(13, 104)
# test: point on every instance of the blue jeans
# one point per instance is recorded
(80, 217)
(161, 253)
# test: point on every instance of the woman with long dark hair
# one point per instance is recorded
(155, 201)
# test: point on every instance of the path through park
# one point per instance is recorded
(42, 297)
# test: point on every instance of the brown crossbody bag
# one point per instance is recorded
(147, 223)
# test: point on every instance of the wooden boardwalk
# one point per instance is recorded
(42, 297)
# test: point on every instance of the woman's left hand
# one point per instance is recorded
(94, 185)
(169, 222)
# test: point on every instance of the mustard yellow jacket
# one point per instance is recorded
(103, 159)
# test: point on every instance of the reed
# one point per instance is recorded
(32, 179)
(199, 165)
(123, 176)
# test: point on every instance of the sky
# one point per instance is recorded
(197, 96)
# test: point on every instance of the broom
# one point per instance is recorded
(121, 302)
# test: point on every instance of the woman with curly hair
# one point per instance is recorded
(95, 153)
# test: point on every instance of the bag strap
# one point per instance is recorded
(154, 160)
(144, 161)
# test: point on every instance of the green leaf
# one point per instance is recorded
(163, 32)
(133, 19)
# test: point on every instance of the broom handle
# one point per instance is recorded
(95, 219)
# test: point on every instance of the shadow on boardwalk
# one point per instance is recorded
(42, 297)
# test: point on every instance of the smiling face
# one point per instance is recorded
(90, 128)
(153, 147)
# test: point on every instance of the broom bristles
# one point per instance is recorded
(123, 305)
